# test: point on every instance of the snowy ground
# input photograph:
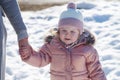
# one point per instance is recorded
(102, 18)
(42, 1)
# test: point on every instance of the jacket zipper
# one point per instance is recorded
(68, 64)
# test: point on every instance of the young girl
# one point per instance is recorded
(70, 52)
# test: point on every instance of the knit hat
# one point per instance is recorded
(71, 17)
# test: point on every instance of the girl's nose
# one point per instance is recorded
(67, 34)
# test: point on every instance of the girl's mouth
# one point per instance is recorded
(67, 39)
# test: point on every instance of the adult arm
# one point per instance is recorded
(12, 11)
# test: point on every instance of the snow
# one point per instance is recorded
(39, 2)
(102, 18)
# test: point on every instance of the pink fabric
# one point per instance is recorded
(71, 22)
(72, 5)
(80, 62)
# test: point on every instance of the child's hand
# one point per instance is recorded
(24, 53)
(25, 49)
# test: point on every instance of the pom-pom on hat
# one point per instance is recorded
(71, 17)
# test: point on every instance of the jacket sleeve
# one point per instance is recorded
(12, 11)
(40, 58)
(94, 67)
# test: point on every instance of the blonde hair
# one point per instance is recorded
(53, 32)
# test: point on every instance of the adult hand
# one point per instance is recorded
(25, 49)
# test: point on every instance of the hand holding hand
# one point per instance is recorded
(25, 49)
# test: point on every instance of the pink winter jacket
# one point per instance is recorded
(80, 62)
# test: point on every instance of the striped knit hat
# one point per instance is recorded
(71, 17)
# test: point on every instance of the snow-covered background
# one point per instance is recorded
(42, 1)
(101, 17)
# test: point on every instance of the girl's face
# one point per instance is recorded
(68, 34)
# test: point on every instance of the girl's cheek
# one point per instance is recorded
(73, 34)
(62, 33)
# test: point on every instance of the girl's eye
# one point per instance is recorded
(72, 32)
(63, 30)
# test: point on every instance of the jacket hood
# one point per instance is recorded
(87, 37)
